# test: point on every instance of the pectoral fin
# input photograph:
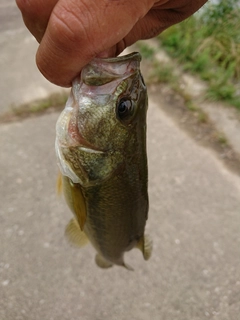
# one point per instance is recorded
(74, 234)
(145, 245)
(75, 200)
(59, 184)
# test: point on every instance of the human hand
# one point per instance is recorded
(72, 32)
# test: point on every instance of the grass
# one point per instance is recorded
(191, 105)
(52, 102)
(202, 117)
(163, 73)
(40, 105)
(146, 51)
(222, 139)
(166, 73)
(208, 44)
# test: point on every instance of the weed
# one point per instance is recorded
(220, 91)
(202, 116)
(190, 105)
(146, 51)
(54, 102)
(162, 73)
(221, 138)
(209, 44)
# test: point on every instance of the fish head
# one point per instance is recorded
(104, 119)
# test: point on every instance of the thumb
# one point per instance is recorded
(79, 30)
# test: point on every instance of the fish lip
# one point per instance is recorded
(72, 137)
(77, 139)
(90, 150)
(85, 145)
(131, 56)
(101, 71)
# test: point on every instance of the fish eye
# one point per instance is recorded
(125, 108)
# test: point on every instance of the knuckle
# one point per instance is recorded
(67, 23)
(63, 27)
(71, 31)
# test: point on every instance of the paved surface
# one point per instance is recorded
(225, 119)
(194, 220)
(22, 82)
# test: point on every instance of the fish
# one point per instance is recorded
(101, 152)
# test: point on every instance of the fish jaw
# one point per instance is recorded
(102, 71)
(68, 139)
(88, 122)
(68, 133)
(78, 159)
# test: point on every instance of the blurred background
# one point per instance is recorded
(192, 72)
(207, 44)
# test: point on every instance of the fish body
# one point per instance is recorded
(101, 151)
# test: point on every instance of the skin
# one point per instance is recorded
(72, 32)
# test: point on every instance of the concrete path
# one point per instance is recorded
(194, 221)
(20, 80)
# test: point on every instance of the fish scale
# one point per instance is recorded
(104, 169)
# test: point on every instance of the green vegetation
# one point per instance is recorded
(166, 74)
(54, 101)
(222, 139)
(208, 44)
(162, 73)
(146, 51)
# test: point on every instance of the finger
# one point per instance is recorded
(36, 14)
(162, 16)
(79, 30)
(177, 10)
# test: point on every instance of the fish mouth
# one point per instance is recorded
(77, 139)
(101, 71)
(77, 142)
(69, 137)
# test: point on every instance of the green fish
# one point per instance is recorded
(101, 151)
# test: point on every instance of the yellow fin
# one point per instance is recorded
(101, 262)
(145, 245)
(74, 234)
(75, 200)
(59, 184)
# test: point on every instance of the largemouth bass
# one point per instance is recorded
(101, 151)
